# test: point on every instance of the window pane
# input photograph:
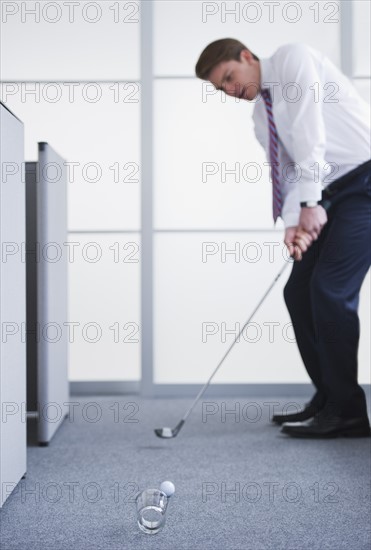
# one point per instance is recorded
(361, 38)
(183, 29)
(364, 88)
(201, 292)
(104, 302)
(98, 135)
(70, 40)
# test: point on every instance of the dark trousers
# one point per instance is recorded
(322, 296)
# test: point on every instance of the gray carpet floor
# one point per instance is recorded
(240, 484)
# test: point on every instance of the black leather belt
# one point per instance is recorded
(342, 182)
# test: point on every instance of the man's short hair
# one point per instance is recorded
(224, 49)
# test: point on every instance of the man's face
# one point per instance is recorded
(238, 78)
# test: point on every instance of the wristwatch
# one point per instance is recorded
(309, 204)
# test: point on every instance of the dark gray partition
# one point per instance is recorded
(47, 290)
(31, 286)
(12, 304)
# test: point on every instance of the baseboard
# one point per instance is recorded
(190, 390)
(104, 387)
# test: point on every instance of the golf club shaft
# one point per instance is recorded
(203, 389)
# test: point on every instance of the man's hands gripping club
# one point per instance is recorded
(312, 220)
(299, 238)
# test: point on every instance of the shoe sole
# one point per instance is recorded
(354, 433)
(280, 422)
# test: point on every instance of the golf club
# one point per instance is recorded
(168, 433)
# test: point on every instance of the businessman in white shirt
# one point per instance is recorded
(315, 129)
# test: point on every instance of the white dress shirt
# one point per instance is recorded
(320, 119)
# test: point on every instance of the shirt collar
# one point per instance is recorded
(266, 73)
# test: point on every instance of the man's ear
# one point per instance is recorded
(246, 55)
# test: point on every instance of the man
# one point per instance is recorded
(315, 129)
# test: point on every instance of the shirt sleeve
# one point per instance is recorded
(301, 88)
(290, 192)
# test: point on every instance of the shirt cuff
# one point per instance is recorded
(310, 191)
(291, 219)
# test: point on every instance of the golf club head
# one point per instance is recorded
(164, 433)
(168, 433)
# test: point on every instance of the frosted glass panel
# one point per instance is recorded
(205, 291)
(183, 29)
(104, 304)
(208, 284)
(361, 38)
(98, 135)
(70, 40)
(364, 88)
(208, 167)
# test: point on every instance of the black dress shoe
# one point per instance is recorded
(328, 424)
(308, 412)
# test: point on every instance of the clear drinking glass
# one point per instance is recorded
(151, 510)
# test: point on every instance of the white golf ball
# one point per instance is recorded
(167, 432)
(168, 488)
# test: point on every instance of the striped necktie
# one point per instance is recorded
(273, 151)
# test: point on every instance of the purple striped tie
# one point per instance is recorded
(273, 151)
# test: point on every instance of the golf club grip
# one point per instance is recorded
(326, 204)
(203, 389)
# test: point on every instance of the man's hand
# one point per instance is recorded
(297, 242)
(312, 220)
